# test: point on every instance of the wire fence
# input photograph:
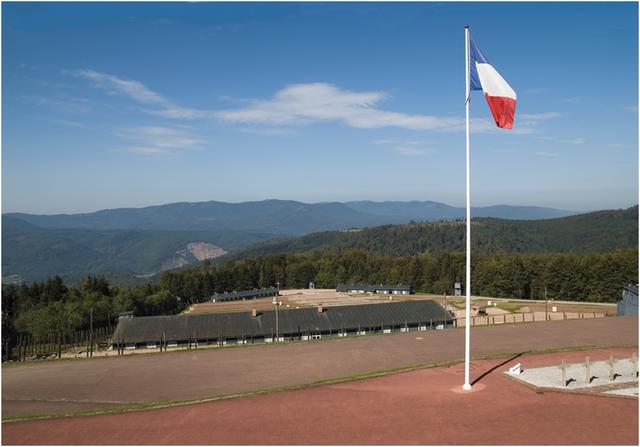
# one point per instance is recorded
(26, 347)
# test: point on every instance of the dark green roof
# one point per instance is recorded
(290, 321)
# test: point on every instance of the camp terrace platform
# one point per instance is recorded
(289, 324)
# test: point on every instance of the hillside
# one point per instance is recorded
(140, 242)
(33, 253)
(600, 231)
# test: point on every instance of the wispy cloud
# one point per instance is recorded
(572, 99)
(139, 93)
(300, 104)
(406, 147)
(157, 140)
(578, 140)
(545, 154)
(503, 151)
(67, 104)
(69, 123)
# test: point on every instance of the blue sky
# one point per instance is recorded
(127, 105)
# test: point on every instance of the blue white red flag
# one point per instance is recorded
(500, 96)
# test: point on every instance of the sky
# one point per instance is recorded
(109, 105)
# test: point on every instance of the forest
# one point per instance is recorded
(53, 308)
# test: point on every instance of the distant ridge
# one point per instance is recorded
(284, 217)
(139, 242)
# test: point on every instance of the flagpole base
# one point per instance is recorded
(466, 387)
(460, 389)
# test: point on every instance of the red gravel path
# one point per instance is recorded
(78, 385)
(417, 407)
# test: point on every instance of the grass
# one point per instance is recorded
(509, 307)
(349, 378)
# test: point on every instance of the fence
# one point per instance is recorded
(160, 342)
(528, 317)
(26, 347)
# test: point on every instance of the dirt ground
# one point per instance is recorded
(329, 297)
(419, 407)
(62, 386)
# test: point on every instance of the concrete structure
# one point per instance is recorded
(386, 289)
(292, 324)
(628, 304)
(245, 295)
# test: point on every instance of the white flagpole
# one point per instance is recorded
(467, 325)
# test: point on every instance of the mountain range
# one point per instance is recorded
(286, 217)
(145, 241)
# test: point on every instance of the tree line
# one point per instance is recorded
(53, 308)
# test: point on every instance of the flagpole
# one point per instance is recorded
(467, 326)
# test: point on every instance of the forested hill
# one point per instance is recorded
(600, 231)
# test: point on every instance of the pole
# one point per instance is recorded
(275, 303)
(467, 326)
(91, 330)
(445, 310)
(546, 311)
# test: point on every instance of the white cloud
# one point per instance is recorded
(69, 123)
(410, 151)
(531, 119)
(406, 147)
(578, 140)
(545, 154)
(156, 140)
(300, 104)
(139, 93)
(67, 104)
(572, 99)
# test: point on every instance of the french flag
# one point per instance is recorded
(500, 96)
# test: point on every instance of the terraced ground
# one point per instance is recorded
(329, 297)
(425, 407)
(125, 382)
